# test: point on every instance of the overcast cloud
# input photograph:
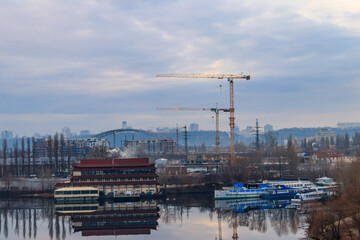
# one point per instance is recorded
(92, 64)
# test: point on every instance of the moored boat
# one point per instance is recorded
(313, 194)
(280, 192)
(326, 181)
(241, 190)
(76, 194)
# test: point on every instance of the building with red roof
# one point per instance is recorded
(115, 177)
(329, 156)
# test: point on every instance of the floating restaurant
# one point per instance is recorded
(115, 178)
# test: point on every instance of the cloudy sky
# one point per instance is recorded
(92, 64)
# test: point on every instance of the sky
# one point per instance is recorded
(92, 64)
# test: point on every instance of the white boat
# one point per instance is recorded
(315, 193)
(76, 194)
(240, 190)
(326, 181)
(295, 186)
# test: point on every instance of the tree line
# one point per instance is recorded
(20, 160)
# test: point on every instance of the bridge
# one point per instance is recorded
(124, 130)
(121, 130)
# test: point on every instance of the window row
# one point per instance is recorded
(113, 172)
(76, 192)
(114, 179)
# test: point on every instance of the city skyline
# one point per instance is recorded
(90, 65)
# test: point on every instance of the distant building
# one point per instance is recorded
(151, 146)
(345, 125)
(84, 133)
(124, 125)
(268, 127)
(249, 131)
(96, 142)
(329, 157)
(194, 127)
(78, 147)
(7, 134)
(324, 132)
(66, 132)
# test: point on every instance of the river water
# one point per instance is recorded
(179, 217)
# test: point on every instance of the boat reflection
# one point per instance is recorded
(111, 218)
(245, 205)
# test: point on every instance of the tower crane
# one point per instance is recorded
(215, 110)
(230, 78)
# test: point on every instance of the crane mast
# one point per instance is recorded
(216, 110)
(230, 78)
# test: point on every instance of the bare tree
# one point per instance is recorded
(270, 142)
(22, 156)
(4, 146)
(16, 156)
(28, 156)
(69, 150)
(292, 155)
(33, 154)
(49, 151)
(56, 151)
(62, 143)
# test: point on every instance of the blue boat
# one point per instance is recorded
(279, 192)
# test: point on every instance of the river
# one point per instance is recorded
(177, 217)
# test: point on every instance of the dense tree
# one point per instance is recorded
(347, 141)
(339, 142)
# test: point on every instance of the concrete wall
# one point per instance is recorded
(28, 185)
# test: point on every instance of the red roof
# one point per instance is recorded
(326, 153)
(128, 162)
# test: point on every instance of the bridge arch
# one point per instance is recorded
(121, 130)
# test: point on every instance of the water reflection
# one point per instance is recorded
(41, 218)
(121, 218)
(256, 214)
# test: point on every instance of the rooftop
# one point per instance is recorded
(128, 162)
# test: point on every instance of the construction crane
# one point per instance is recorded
(215, 110)
(230, 78)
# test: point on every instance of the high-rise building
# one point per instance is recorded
(194, 127)
(124, 125)
(66, 132)
(7, 134)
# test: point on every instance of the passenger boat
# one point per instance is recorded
(313, 194)
(76, 194)
(298, 186)
(240, 190)
(281, 192)
(326, 181)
